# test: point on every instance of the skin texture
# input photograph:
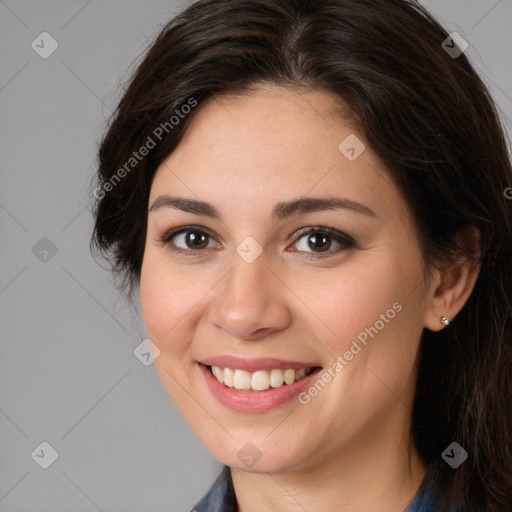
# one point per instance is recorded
(349, 447)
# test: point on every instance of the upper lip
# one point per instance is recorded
(258, 363)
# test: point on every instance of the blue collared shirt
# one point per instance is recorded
(220, 497)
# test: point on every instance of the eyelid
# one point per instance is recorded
(345, 240)
(334, 233)
(166, 236)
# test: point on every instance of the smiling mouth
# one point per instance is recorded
(260, 380)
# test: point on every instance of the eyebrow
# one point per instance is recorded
(280, 211)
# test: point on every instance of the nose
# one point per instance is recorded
(250, 303)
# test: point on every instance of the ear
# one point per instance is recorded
(454, 281)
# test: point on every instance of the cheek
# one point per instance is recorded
(166, 298)
(370, 316)
(343, 302)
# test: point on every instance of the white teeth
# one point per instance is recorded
(260, 380)
(217, 372)
(289, 376)
(276, 378)
(300, 373)
(228, 376)
(242, 379)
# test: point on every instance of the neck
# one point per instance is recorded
(381, 471)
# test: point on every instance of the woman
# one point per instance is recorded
(311, 199)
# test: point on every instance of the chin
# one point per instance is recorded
(259, 456)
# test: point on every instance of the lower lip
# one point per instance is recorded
(254, 401)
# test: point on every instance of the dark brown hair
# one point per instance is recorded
(429, 118)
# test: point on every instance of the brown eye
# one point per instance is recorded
(315, 241)
(187, 240)
(196, 239)
(320, 242)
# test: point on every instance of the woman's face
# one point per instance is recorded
(253, 291)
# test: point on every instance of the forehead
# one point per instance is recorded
(273, 142)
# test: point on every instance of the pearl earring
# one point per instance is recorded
(445, 321)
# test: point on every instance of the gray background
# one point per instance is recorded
(68, 373)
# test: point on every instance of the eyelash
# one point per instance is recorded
(345, 241)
